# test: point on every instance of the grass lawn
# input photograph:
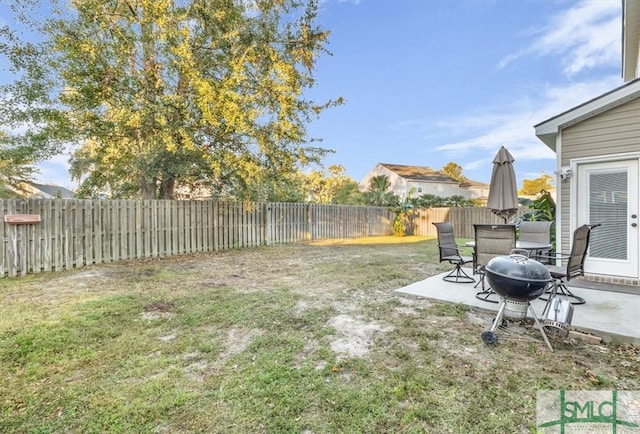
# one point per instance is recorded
(305, 338)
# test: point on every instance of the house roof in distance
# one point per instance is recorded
(471, 183)
(424, 173)
(54, 190)
(418, 173)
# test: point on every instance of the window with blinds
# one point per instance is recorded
(608, 205)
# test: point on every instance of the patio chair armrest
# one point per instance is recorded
(555, 255)
(454, 246)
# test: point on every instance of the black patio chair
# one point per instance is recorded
(450, 252)
(575, 264)
(491, 241)
(540, 232)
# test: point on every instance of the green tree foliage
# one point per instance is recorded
(336, 188)
(543, 208)
(22, 106)
(378, 193)
(160, 93)
(433, 201)
(405, 214)
(349, 194)
(457, 201)
(453, 170)
(284, 187)
(533, 187)
(16, 166)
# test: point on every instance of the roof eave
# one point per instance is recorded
(630, 39)
(547, 130)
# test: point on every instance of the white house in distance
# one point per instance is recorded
(424, 180)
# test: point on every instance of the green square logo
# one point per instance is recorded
(588, 411)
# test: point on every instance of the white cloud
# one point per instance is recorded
(55, 171)
(513, 127)
(585, 36)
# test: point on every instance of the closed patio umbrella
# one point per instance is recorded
(503, 193)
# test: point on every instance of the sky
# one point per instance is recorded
(427, 82)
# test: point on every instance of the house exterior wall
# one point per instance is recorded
(397, 184)
(436, 188)
(475, 192)
(615, 131)
(402, 186)
(376, 171)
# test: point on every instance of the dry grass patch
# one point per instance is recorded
(297, 338)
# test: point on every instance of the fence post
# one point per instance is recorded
(267, 223)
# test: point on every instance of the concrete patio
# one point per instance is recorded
(610, 314)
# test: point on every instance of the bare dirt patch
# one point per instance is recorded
(355, 337)
(237, 341)
(158, 310)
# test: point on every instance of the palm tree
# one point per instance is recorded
(457, 201)
(378, 194)
(431, 201)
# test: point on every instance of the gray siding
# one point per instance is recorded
(615, 131)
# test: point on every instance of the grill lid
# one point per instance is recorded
(519, 268)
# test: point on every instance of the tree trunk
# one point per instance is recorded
(148, 190)
(166, 188)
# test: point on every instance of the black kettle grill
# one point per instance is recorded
(518, 280)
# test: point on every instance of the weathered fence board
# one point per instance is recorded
(73, 232)
(462, 219)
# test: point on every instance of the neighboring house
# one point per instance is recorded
(419, 180)
(477, 190)
(33, 190)
(597, 146)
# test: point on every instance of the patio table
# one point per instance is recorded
(532, 247)
(524, 245)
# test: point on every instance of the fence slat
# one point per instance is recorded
(34, 245)
(4, 242)
(72, 232)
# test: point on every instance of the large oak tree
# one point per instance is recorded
(161, 93)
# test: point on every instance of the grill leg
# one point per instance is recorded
(490, 337)
(544, 334)
(499, 316)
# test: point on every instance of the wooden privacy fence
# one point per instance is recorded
(42, 235)
(461, 218)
